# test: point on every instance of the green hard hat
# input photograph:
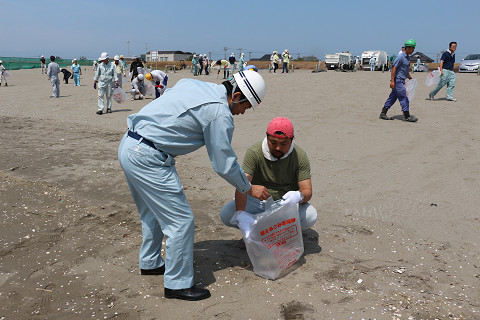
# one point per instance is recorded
(410, 43)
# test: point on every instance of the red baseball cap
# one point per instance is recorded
(284, 125)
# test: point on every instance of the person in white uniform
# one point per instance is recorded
(52, 73)
(159, 80)
(106, 77)
(138, 87)
(185, 118)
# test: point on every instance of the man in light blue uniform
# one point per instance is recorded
(400, 72)
(105, 76)
(77, 71)
(186, 117)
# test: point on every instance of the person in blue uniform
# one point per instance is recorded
(185, 118)
(448, 77)
(77, 71)
(400, 72)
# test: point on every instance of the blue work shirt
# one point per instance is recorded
(402, 63)
(188, 116)
(448, 60)
(75, 68)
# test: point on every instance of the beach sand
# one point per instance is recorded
(396, 237)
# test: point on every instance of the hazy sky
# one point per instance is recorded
(86, 28)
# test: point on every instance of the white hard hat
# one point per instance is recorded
(74, 59)
(1, 61)
(275, 51)
(204, 55)
(43, 56)
(252, 86)
(104, 56)
(233, 53)
(116, 58)
(141, 77)
(243, 54)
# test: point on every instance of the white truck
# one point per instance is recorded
(380, 60)
(334, 61)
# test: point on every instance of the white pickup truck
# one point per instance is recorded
(334, 61)
(380, 60)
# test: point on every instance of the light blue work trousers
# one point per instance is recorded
(372, 67)
(76, 78)
(308, 214)
(163, 209)
(448, 79)
(105, 89)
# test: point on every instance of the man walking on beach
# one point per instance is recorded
(42, 63)
(119, 69)
(52, 73)
(2, 74)
(105, 76)
(187, 117)
(77, 72)
(447, 77)
(400, 72)
(280, 169)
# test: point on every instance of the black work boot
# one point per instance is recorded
(409, 117)
(383, 115)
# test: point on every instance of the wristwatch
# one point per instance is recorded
(301, 197)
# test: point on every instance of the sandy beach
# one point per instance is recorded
(396, 237)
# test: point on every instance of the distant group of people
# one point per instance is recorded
(200, 63)
(276, 60)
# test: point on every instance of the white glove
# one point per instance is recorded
(244, 220)
(291, 197)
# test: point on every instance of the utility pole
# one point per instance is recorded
(225, 52)
(249, 55)
(210, 55)
(240, 49)
(128, 48)
(146, 47)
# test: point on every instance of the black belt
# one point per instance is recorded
(448, 69)
(136, 136)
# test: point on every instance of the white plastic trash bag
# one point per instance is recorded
(119, 95)
(149, 89)
(140, 70)
(273, 238)
(433, 78)
(124, 79)
(411, 85)
(7, 74)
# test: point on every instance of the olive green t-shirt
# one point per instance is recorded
(279, 176)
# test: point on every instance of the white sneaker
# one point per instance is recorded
(452, 99)
(430, 95)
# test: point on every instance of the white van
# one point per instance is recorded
(380, 60)
(334, 61)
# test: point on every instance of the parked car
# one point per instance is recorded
(470, 63)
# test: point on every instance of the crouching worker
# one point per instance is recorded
(278, 168)
(187, 117)
(138, 87)
(159, 80)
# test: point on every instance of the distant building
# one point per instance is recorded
(167, 55)
(423, 58)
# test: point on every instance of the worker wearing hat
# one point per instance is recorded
(400, 72)
(275, 60)
(77, 71)
(122, 61)
(138, 88)
(119, 69)
(42, 63)
(159, 80)
(106, 77)
(187, 117)
(2, 74)
(280, 169)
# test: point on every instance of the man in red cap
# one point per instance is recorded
(282, 169)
